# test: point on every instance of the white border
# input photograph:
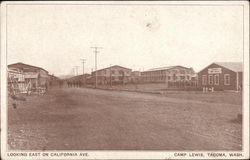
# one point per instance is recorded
(128, 154)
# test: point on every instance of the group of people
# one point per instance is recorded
(76, 84)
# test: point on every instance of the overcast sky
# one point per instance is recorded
(56, 37)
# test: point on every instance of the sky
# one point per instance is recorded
(140, 37)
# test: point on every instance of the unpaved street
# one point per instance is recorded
(82, 119)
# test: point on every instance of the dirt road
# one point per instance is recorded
(82, 119)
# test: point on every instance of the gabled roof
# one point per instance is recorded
(166, 68)
(112, 67)
(234, 66)
(20, 65)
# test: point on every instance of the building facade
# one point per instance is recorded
(16, 81)
(221, 76)
(36, 76)
(135, 77)
(79, 80)
(112, 75)
(177, 76)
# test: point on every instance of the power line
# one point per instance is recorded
(96, 51)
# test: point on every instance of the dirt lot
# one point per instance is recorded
(81, 119)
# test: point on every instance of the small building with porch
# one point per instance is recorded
(222, 76)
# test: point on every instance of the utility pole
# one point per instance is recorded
(83, 61)
(96, 51)
(76, 70)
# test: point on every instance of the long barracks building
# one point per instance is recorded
(112, 75)
(178, 76)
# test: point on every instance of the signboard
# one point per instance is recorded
(214, 70)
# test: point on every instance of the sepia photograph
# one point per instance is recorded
(125, 80)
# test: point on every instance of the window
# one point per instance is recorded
(204, 80)
(210, 79)
(112, 72)
(182, 71)
(226, 79)
(120, 72)
(216, 79)
(174, 77)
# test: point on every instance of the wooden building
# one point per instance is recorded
(16, 82)
(112, 75)
(221, 76)
(79, 80)
(35, 75)
(135, 77)
(173, 76)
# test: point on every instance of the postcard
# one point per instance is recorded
(124, 80)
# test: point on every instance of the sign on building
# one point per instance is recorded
(214, 70)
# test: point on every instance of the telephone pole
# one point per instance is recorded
(83, 77)
(96, 51)
(76, 67)
(83, 61)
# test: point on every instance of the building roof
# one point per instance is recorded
(112, 67)
(22, 65)
(166, 68)
(234, 66)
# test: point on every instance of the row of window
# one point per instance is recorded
(114, 78)
(113, 72)
(166, 72)
(169, 77)
(214, 79)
